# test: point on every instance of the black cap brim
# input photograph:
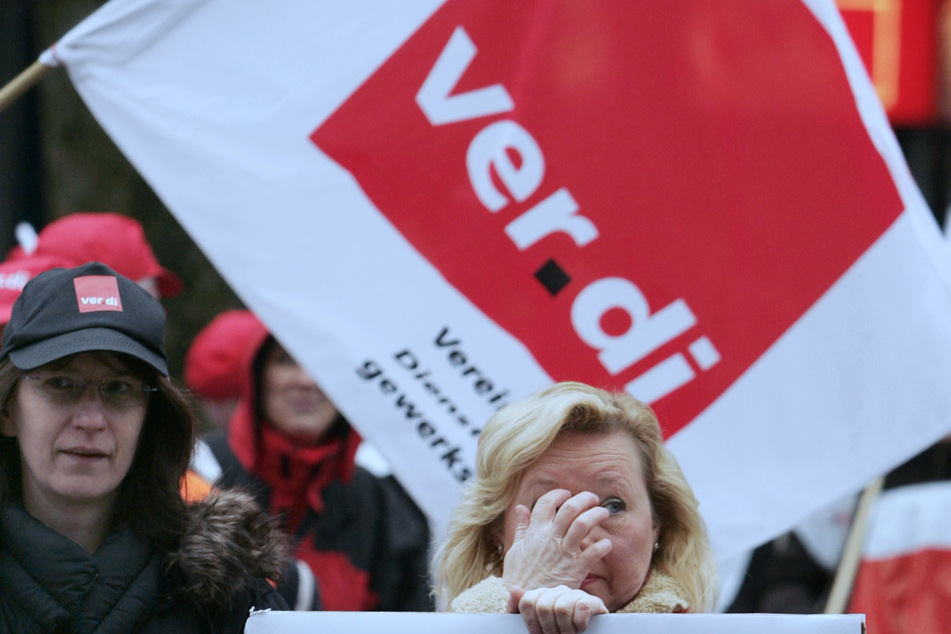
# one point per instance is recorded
(87, 340)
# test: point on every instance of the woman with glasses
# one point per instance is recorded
(94, 442)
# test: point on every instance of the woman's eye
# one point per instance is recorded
(60, 383)
(116, 388)
(284, 358)
(614, 505)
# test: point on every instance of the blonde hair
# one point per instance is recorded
(518, 434)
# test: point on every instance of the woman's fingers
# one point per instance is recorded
(550, 546)
(537, 609)
(595, 552)
(515, 596)
(563, 612)
(558, 610)
(522, 518)
(582, 523)
(547, 506)
(584, 609)
(573, 509)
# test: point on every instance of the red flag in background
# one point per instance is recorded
(903, 584)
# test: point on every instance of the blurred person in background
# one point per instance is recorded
(215, 362)
(14, 274)
(115, 240)
(360, 543)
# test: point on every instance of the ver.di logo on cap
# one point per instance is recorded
(97, 292)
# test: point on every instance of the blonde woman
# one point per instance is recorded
(577, 509)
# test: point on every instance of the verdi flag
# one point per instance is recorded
(442, 206)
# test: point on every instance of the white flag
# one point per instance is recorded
(442, 206)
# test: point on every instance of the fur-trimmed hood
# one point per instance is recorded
(49, 583)
(229, 542)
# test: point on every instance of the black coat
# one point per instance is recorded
(48, 583)
(369, 521)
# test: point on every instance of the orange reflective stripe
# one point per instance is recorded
(194, 487)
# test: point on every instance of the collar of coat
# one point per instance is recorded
(660, 594)
(228, 542)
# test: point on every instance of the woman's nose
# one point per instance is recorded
(90, 411)
(301, 376)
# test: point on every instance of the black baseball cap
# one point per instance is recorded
(90, 307)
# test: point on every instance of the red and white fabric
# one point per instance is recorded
(903, 584)
(441, 206)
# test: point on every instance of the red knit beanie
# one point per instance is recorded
(216, 363)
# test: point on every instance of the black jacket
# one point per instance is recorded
(369, 522)
(48, 583)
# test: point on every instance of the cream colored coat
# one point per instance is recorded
(660, 595)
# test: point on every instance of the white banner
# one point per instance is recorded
(377, 622)
(441, 206)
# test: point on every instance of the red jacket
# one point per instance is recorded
(361, 536)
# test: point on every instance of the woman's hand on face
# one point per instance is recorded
(558, 610)
(549, 547)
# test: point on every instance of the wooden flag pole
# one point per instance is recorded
(852, 552)
(22, 82)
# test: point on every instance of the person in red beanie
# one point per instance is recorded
(115, 240)
(14, 274)
(215, 361)
(360, 543)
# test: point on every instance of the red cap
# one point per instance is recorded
(14, 274)
(113, 239)
(216, 363)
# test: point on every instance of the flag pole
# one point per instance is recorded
(852, 552)
(22, 82)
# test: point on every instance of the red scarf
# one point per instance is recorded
(298, 472)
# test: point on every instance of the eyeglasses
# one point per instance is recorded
(63, 389)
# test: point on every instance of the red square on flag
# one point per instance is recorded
(97, 292)
(646, 198)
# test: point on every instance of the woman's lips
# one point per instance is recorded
(306, 401)
(85, 453)
(588, 581)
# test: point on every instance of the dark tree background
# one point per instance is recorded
(56, 159)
